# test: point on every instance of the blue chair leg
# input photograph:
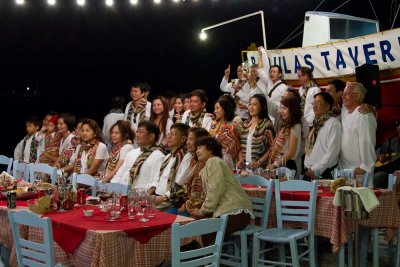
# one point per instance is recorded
(243, 249)
(256, 250)
(281, 252)
(313, 248)
(294, 253)
(350, 253)
(375, 255)
(341, 255)
(364, 246)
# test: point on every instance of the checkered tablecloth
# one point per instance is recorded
(330, 221)
(101, 248)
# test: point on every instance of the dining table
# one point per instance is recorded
(92, 241)
(330, 221)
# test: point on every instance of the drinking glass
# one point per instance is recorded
(359, 180)
(142, 192)
(111, 209)
(151, 206)
(143, 206)
(103, 194)
(133, 208)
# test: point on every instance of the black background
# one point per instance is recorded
(75, 58)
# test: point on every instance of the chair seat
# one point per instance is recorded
(249, 230)
(282, 235)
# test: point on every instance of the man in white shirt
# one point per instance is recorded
(271, 76)
(139, 109)
(358, 132)
(116, 114)
(322, 149)
(143, 163)
(197, 115)
(307, 92)
(165, 183)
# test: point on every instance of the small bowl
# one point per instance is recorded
(88, 213)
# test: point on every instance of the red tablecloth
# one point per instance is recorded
(305, 195)
(20, 203)
(69, 228)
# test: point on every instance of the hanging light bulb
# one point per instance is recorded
(20, 2)
(175, 1)
(51, 2)
(134, 2)
(157, 2)
(80, 2)
(109, 2)
(203, 36)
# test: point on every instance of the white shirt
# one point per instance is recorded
(23, 151)
(227, 88)
(161, 182)
(325, 152)
(308, 113)
(207, 120)
(101, 154)
(358, 140)
(167, 130)
(179, 177)
(122, 153)
(249, 145)
(171, 113)
(109, 120)
(65, 143)
(147, 114)
(263, 73)
(149, 169)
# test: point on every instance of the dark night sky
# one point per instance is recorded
(77, 57)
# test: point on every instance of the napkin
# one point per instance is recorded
(367, 197)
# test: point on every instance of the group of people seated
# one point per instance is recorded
(185, 156)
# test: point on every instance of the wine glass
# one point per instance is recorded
(143, 205)
(103, 195)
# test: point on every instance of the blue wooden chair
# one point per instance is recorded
(4, 160)
(290, 210)
(30, 253)
(42, 168)
(375, 240)
(290, 174)
(122, 189)
(85, 179)
(350, 173)
(209, 255)
(239, 257)
(21, 170)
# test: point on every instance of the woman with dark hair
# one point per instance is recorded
(160, 116)
(225, 130)
(257, 134)
(122, 136)
(178, 108)
(288, 139)
(65, 126)
(91, 153)
(223, 193)
(66, 161)
(194, 192)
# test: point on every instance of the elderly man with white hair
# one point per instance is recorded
(358, 132)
